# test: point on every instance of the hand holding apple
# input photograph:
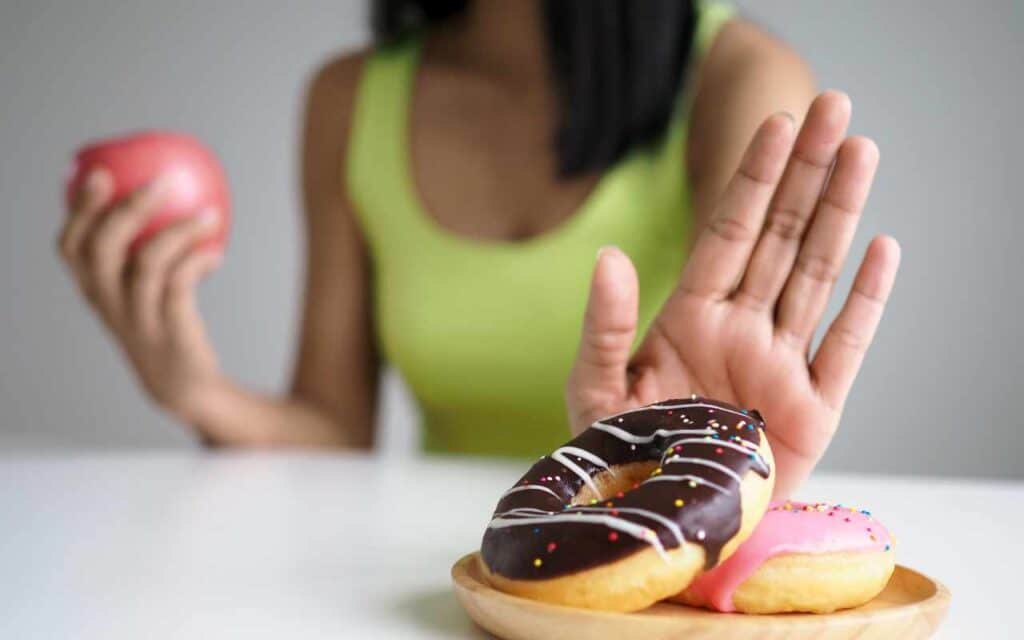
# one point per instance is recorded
(148, 218)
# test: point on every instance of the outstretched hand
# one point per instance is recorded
(739, 325)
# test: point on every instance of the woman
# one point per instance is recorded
(459, 179)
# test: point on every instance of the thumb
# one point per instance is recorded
(598, 382)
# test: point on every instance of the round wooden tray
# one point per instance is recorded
(911, 606)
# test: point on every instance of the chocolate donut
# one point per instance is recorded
(628, 512)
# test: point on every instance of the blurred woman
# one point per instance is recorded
(459, 178)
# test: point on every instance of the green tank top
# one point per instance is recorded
(485, 332)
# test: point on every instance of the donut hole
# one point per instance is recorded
(618, 479)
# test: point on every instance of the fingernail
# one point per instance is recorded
(94, 181)
(208, 217)
(157, 185)
(606, 248)
(790, 116)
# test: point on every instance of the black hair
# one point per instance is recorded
(618, 66)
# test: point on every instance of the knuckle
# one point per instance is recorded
(137, 201)
(179, 283)
(872, 299)
(730, 229)
(839, 207)
(146, 335)
(809, 159)
(607, 347)
(819, 268)
(126, 213)
(92, 254)
(787, 223)
(752, 301)
(790, 338)
(110, 238)
(849, 338)
(756, 175)
(182, 234)
(150, 258)
(100, 252)
(104, 297)
(140, 284)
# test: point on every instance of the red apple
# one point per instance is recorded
(197, 181)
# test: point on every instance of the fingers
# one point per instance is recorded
(106, 248)
(181, 314)
(793, 204)
(609, 327)
(153, 263)
(842, 350)
(721, 253)
(89, 201)
(827, 242)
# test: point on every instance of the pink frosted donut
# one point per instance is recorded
(801, 557)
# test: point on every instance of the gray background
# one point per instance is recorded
(937, 84)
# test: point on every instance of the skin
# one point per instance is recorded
(738, 328)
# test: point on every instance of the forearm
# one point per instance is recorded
(230, 415)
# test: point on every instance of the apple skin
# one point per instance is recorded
(196, 179)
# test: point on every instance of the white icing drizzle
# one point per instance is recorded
(687, 476)
(717, 443)
(672, 526)
(640, 532)
(583, 453)
(685, 405)
(515, 511)
(707, 463)
(701, 404)
(626, 436)
(531, 487)
(560, 457)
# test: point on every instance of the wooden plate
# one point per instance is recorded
(911, 606)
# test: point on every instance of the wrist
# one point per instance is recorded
(203, 401)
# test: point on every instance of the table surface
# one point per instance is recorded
(188, 545)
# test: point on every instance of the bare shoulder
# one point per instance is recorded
(746, 52)
(329, 100)
(333, 84)
(747, 75)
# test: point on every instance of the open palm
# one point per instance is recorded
(739, 325)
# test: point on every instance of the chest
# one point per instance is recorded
(482, 157)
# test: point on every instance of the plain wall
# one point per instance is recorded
(937, 84)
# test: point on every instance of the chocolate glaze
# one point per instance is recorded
(530, 536)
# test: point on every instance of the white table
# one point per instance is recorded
(194, 545)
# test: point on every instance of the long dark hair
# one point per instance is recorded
(618, 64)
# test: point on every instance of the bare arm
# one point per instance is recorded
(337, 368)
(333, 392)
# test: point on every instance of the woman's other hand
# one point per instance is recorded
(146, 298)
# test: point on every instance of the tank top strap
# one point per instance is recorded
(376, 173)
(712, 17)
